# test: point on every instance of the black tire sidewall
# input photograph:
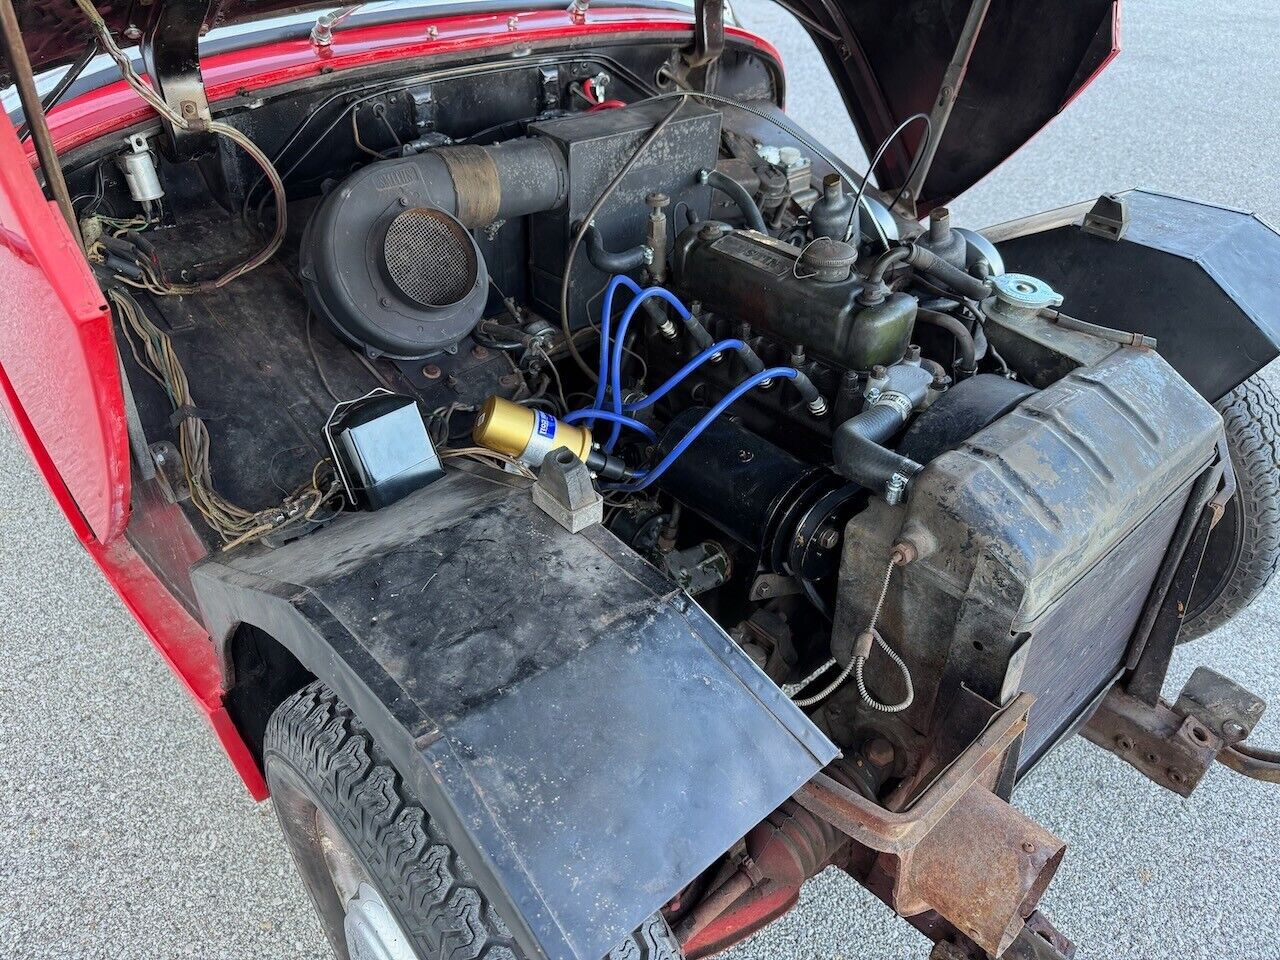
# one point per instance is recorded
(1244, 548)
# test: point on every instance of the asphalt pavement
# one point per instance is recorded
(124, 832)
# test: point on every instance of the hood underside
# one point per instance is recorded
(990, 73)
(1007, 67)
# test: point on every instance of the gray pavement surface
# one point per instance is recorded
(124, 832)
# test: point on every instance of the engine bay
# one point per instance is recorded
(891, 468)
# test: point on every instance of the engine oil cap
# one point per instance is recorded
(1027, 292)
(827, 260)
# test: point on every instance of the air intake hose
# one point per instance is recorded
(480, 185)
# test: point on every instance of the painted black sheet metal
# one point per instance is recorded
(590, 737)
(1199, 278)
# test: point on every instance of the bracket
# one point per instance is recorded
(171, 54)
(956, 849)
(691, 67)
(1174, 746)
(1108, 218)
(565, 493)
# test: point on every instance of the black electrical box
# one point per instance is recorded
(381, 449)
(596, 145)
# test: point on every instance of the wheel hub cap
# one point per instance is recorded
(372, 932)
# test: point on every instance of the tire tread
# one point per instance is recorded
(1251, 417)
(418, 870)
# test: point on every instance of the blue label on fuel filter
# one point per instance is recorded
(544, 425)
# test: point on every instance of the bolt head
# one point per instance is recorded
(1124, 743)
(878, 752)
(1234, 731)
(828, 537)
(480, 352)
(431, 371)
(745, 456)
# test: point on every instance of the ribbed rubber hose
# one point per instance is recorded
(859, 454)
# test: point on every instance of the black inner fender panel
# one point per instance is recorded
(590, 738)
(1199, 278)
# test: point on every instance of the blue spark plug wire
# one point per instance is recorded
(645, 478)
(606, 318)
(609, 416)
(733, 343)
(615, 368)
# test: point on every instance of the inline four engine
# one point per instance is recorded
(900, 476)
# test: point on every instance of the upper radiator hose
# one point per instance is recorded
(858, 445)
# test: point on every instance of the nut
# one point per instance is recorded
(878, 752)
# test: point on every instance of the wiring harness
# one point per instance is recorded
(153, 351)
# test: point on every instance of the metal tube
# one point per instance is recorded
(1253, 763)
(16, 52)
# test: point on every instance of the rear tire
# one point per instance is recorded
(371, 856)
(1244, 548)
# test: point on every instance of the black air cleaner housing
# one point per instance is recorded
(392, 276)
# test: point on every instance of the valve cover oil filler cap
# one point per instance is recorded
(1027, 292)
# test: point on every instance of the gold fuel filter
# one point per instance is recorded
(526, 434)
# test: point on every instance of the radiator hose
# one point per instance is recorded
(858, 445)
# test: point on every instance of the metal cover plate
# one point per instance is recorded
(587, 734)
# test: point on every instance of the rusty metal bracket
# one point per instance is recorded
(1176, 745)
(956, 849)
(171, 53)
(899, 831)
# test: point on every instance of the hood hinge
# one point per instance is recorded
(171, 53)
(691, 67)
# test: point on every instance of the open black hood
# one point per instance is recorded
(1007, 67)
(1000, 68)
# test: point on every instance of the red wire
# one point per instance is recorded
(606, 105)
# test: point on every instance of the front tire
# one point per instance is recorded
(387, 884)
(1244, 548)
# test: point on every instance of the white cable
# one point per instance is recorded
(856, 664)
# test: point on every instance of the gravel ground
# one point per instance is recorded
(124, 833)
